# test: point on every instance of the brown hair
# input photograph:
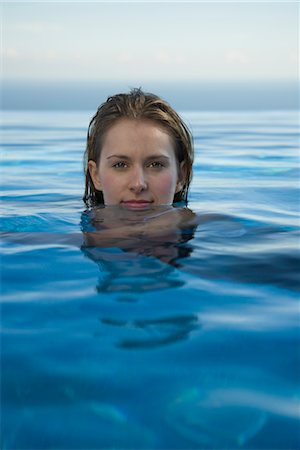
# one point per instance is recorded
(137, 105)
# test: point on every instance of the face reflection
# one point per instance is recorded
(138, 168)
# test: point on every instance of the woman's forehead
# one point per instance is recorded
(141, 123)
(140, 132)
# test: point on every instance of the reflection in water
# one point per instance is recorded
(136, 251)
(156, 332)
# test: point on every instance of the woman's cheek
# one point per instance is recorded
(166, 184)
(109, 185)
(108, 180)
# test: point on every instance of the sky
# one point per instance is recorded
(150, 40)
(141, 42)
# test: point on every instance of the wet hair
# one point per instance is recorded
(137, 105)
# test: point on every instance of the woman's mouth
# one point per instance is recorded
(136, 204)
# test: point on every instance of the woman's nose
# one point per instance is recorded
(137, 181)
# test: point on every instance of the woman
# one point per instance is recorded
(139, 153)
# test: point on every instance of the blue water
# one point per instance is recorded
(176, 330)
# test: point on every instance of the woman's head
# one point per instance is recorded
(138, 152)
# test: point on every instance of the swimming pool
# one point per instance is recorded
(188, 340)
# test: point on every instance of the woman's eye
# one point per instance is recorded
(156, 165)
(120, 165)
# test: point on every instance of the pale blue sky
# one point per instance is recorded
(141, 41)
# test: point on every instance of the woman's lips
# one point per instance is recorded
(137, 204)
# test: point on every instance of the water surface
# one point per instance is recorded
(178, 329)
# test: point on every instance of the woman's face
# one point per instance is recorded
(138, 167)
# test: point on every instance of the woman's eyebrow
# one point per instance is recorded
(158, 156)
(118, 156)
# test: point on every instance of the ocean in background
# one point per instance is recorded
(205, 95)
(186, 342)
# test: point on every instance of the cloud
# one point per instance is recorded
(125, 57)
(39, 27)
(294, 57)
(237, 56)
(10, 52)
(168, 59)
(163, 57)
